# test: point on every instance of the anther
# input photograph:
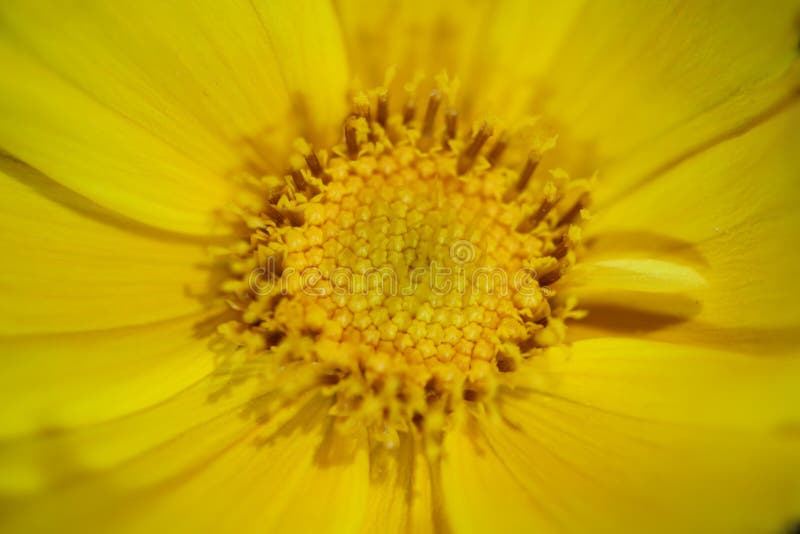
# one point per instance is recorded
(301, 184)
(450, 126)
(470, 395)
(382, 113)
(574, 211)
(524, 176)
(505, 364)
(313, 163)
(296, 217)
(298, 180)
(430, 114)
(552, 277)
(351, 139)
(329, 379)
(497, 150)
(538, 216)
(562, 246)
(274, 195)
(290, 190)
(467, 157)
(361, 108)
(409, 109)
(271, 212)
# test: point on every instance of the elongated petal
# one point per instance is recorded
(675, 383)
(631, 88)
(62, 380)
(653, 82)
(624, 435)
(308, 46)
(262, 480)
(147, 108)
(70, 266)
(499, 50)
(99, 154)
(400, 493)
(482, 494)
(413, 36)
(178, 431)
(731, 213)
(636, 275)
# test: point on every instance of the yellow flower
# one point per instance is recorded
(197, 196)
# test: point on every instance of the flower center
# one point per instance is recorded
(408, 271)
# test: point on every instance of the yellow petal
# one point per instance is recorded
(482, 494)
(70, 266)
(740, 113)
(136, 449)
(632, 274)
(400, 492)
(306, 40)
(413, 36)
(675, 383)
(181, 429)
(99, 154)
(62, 380)
(497, 49)
(625, 436)
(731, 213)
(298, 476)
(663, 80)
(126, 103)
(516, 46)
(635, 87)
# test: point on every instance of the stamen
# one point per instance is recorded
(301, 184)
(290, 191)
(538, 216)
(497, 150)
(409, 110)
(430, 113)
(505, 364)
(313, 163)
(524, 177)
(382, 113)
(552, 277)
(451, 126)
(295, 217)
(273, 194)
(562, 246)
(361, 107)
(351, 139)
(573, 213)
(298, 179)
(467, 157)
(470, 395)
(271, 212)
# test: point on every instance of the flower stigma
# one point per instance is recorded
(409, 271)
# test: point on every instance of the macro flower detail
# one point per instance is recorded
(406, 270)
(437, 266)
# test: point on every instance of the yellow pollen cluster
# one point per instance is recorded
(405, 272)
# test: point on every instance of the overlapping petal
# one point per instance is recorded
(626, 435)
(636, 88)
(71, 266)
(147, 108)
(730, 212)
(261, 476)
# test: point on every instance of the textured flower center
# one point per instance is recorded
(407, 271)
